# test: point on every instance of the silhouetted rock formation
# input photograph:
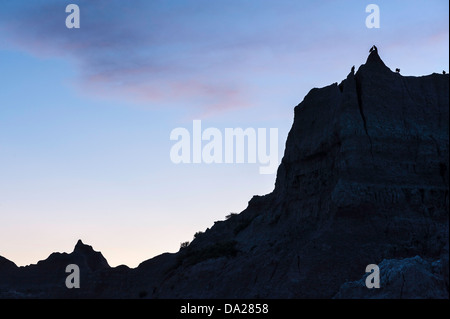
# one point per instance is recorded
(6, 265)
(46, 279)
(7, 268)
(93, 260)
(408, 278)
(364, 180)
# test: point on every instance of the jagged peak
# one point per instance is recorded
(81, 247)
(94, 259)
(374, 60)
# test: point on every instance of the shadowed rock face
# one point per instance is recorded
(364, 180)
(407, 278)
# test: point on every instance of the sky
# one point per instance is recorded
(86, 113)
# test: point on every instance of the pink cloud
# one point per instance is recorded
(173, 54)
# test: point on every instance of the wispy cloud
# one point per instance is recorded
(202, 54)
(197, 54)
(149, 52)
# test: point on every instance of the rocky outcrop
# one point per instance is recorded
(364, 180)
(409, 278)
(47, 277)
(86, 256)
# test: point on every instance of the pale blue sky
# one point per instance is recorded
(86, 115)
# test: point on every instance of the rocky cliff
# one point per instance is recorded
(364, 180)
